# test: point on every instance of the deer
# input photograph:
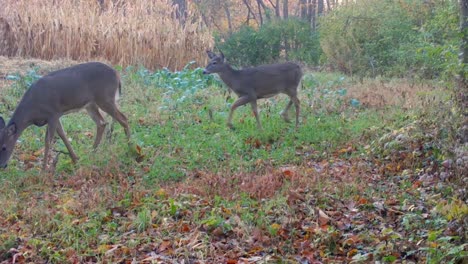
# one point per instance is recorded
(93, 86)
(251, 84)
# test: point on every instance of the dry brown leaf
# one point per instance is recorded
(165, 245)
(323, 218)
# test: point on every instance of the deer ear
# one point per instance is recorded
(2, 122)
(222, 55)
(11, 129)
(211, 55)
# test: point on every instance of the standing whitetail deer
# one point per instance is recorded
(251, 84)
(92, 86)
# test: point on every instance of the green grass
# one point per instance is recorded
(118, 204)
(178, 121)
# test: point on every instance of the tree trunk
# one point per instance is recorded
(180, 10)
(250, 12)
(277, 8)
(101, 5)
(303, 4)
(462, 93)
(312, 13)
(260, 11)
(285, 16)
(285, 9)
(228, 16)
(320, 7)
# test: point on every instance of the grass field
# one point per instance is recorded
(351, 184)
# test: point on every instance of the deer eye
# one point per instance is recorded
(3, 148)
(214, 62)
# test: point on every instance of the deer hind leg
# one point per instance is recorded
(297, 105)
(240, 102)
(64, 138)
(112, 110)
(285, 112)
(93, 112)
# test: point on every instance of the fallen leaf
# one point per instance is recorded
(165, 245)
(351, 253)
(293, 197)
(218, 231)
(138, 149)
(323, 218)
(88, 134)
(185, 228)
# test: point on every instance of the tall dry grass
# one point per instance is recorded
(123, 32)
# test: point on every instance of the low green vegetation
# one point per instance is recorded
(375, 172)
(178, 125)
(394, 38)
(351, 184)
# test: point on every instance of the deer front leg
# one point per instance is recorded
(51, 127)
(240, 102)
(255, 111)
(64, 138)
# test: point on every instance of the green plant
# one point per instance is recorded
(443, 250)
(391, 38)
(143, 220)
(21, 84)
(249, 46)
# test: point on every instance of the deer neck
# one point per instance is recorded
(228, 75)
(21, 118)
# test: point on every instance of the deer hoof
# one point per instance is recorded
(286, 118)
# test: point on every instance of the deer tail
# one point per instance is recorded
(118, 93)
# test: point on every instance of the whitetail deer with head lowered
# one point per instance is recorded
(251, 84)
(92, 86)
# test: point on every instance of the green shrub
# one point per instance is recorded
(392, 38)
(362, 38)
(276, 40)
(439, 38)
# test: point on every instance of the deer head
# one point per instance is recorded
(8, 137)
(216, 63)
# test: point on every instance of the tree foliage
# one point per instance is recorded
(276, 40)
(392, 38)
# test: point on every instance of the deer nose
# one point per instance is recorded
(205, 72)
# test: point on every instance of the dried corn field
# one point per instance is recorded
(130, 33)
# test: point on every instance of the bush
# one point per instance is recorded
(392, 38)
(276, 40)
(439, 40)
(362, 38)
